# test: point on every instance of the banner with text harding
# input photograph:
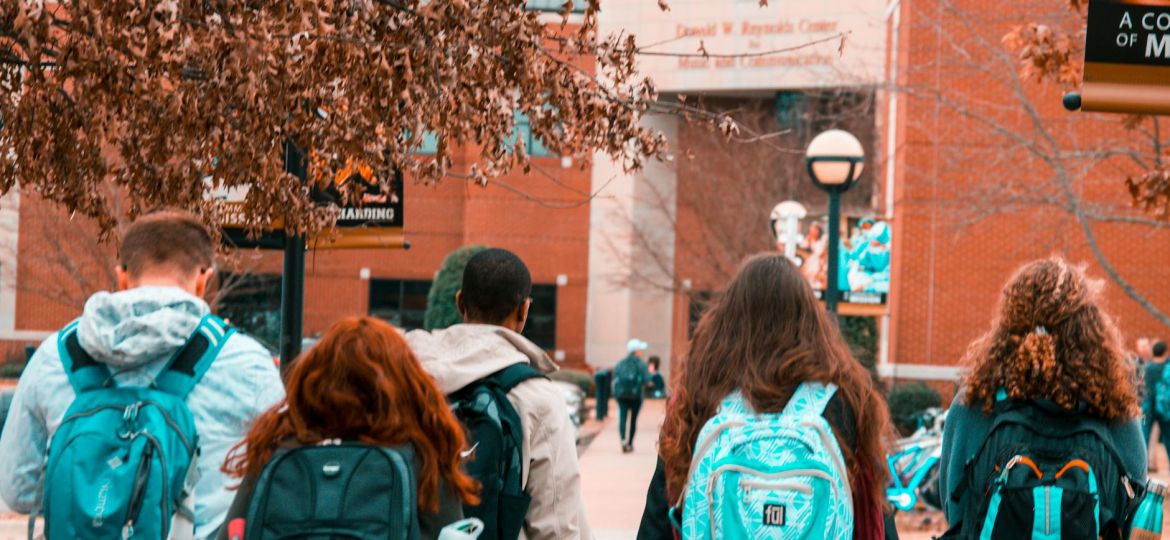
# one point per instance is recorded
(376, 222)
(805, 30)
(1127, 57)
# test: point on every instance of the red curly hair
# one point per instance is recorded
(1051, 340)
(361, 382)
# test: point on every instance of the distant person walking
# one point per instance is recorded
(774, 428)
(1142, 353)
(537, 496)
(1156, 400)
(358, 390)
(1045, 430)
(630, 377)
(657, 387)
(145, 372)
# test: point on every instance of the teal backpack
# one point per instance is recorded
(627, 379)
(122, 462)
(1161, 388)
(774, 476)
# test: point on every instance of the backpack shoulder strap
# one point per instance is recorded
(810, 399)
(510, 377)
(85, 374)
(193, 360)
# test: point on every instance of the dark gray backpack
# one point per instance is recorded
(340, 490)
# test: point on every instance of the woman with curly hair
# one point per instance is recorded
(766, 340)
(362, 383)
(1050, 381)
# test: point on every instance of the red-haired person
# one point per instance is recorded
(362, 383)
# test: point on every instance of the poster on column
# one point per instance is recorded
(863, 267)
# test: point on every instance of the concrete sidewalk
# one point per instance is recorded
(614, 484)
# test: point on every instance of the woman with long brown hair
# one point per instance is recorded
(362, 383)
(1049, 387)
(765, 337)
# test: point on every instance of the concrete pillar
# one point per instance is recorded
(631, 257)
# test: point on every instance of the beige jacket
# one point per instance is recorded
(465, 353)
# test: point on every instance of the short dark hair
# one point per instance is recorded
(495, 283)
(654, 361)
(170, 240)
(1159, 348)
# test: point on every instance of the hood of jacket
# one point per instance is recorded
(465, 353)
(132, 328)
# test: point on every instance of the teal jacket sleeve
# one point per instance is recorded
(964, 431)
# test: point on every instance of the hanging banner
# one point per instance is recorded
(1127, 57)
(863, 257)
(376, 222)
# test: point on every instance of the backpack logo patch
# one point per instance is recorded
(774, 515)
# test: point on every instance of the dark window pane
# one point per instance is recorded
(542, 317)
(401, 303)
(699, 302)
(251, 303)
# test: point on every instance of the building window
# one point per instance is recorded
(251, 303)
(430, 143)
(522, 130)
(402, 303)
(556, 5)
(541, 328)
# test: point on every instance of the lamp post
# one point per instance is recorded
(785, 222)
(835, 159)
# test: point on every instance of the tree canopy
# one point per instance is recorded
(168, 100)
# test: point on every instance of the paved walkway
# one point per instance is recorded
(614, 484)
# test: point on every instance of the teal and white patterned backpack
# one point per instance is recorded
(769, 476)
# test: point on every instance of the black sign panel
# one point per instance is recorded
(374, 222)
(1128, 32)
(378, 207)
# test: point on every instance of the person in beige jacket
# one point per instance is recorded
(494, 302)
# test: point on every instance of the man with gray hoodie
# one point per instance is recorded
(494, 302)
(165, 262)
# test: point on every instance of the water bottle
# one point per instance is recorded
(468, 529)
(1147, 522)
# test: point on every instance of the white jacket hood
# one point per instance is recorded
(465, 353)
(132, 328)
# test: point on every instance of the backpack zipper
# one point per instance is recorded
(138, 492)
(1047, 510)
(137, 405)
(746, 485)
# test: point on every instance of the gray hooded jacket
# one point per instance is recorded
(465, 353)
(135, 332)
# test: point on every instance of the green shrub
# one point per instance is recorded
(907, 401)
(11, 370)
(583, 379)
(862, 336)
(441, 309)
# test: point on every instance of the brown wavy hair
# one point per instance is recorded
(1051, 340)
(766, 334)
(361, 382)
